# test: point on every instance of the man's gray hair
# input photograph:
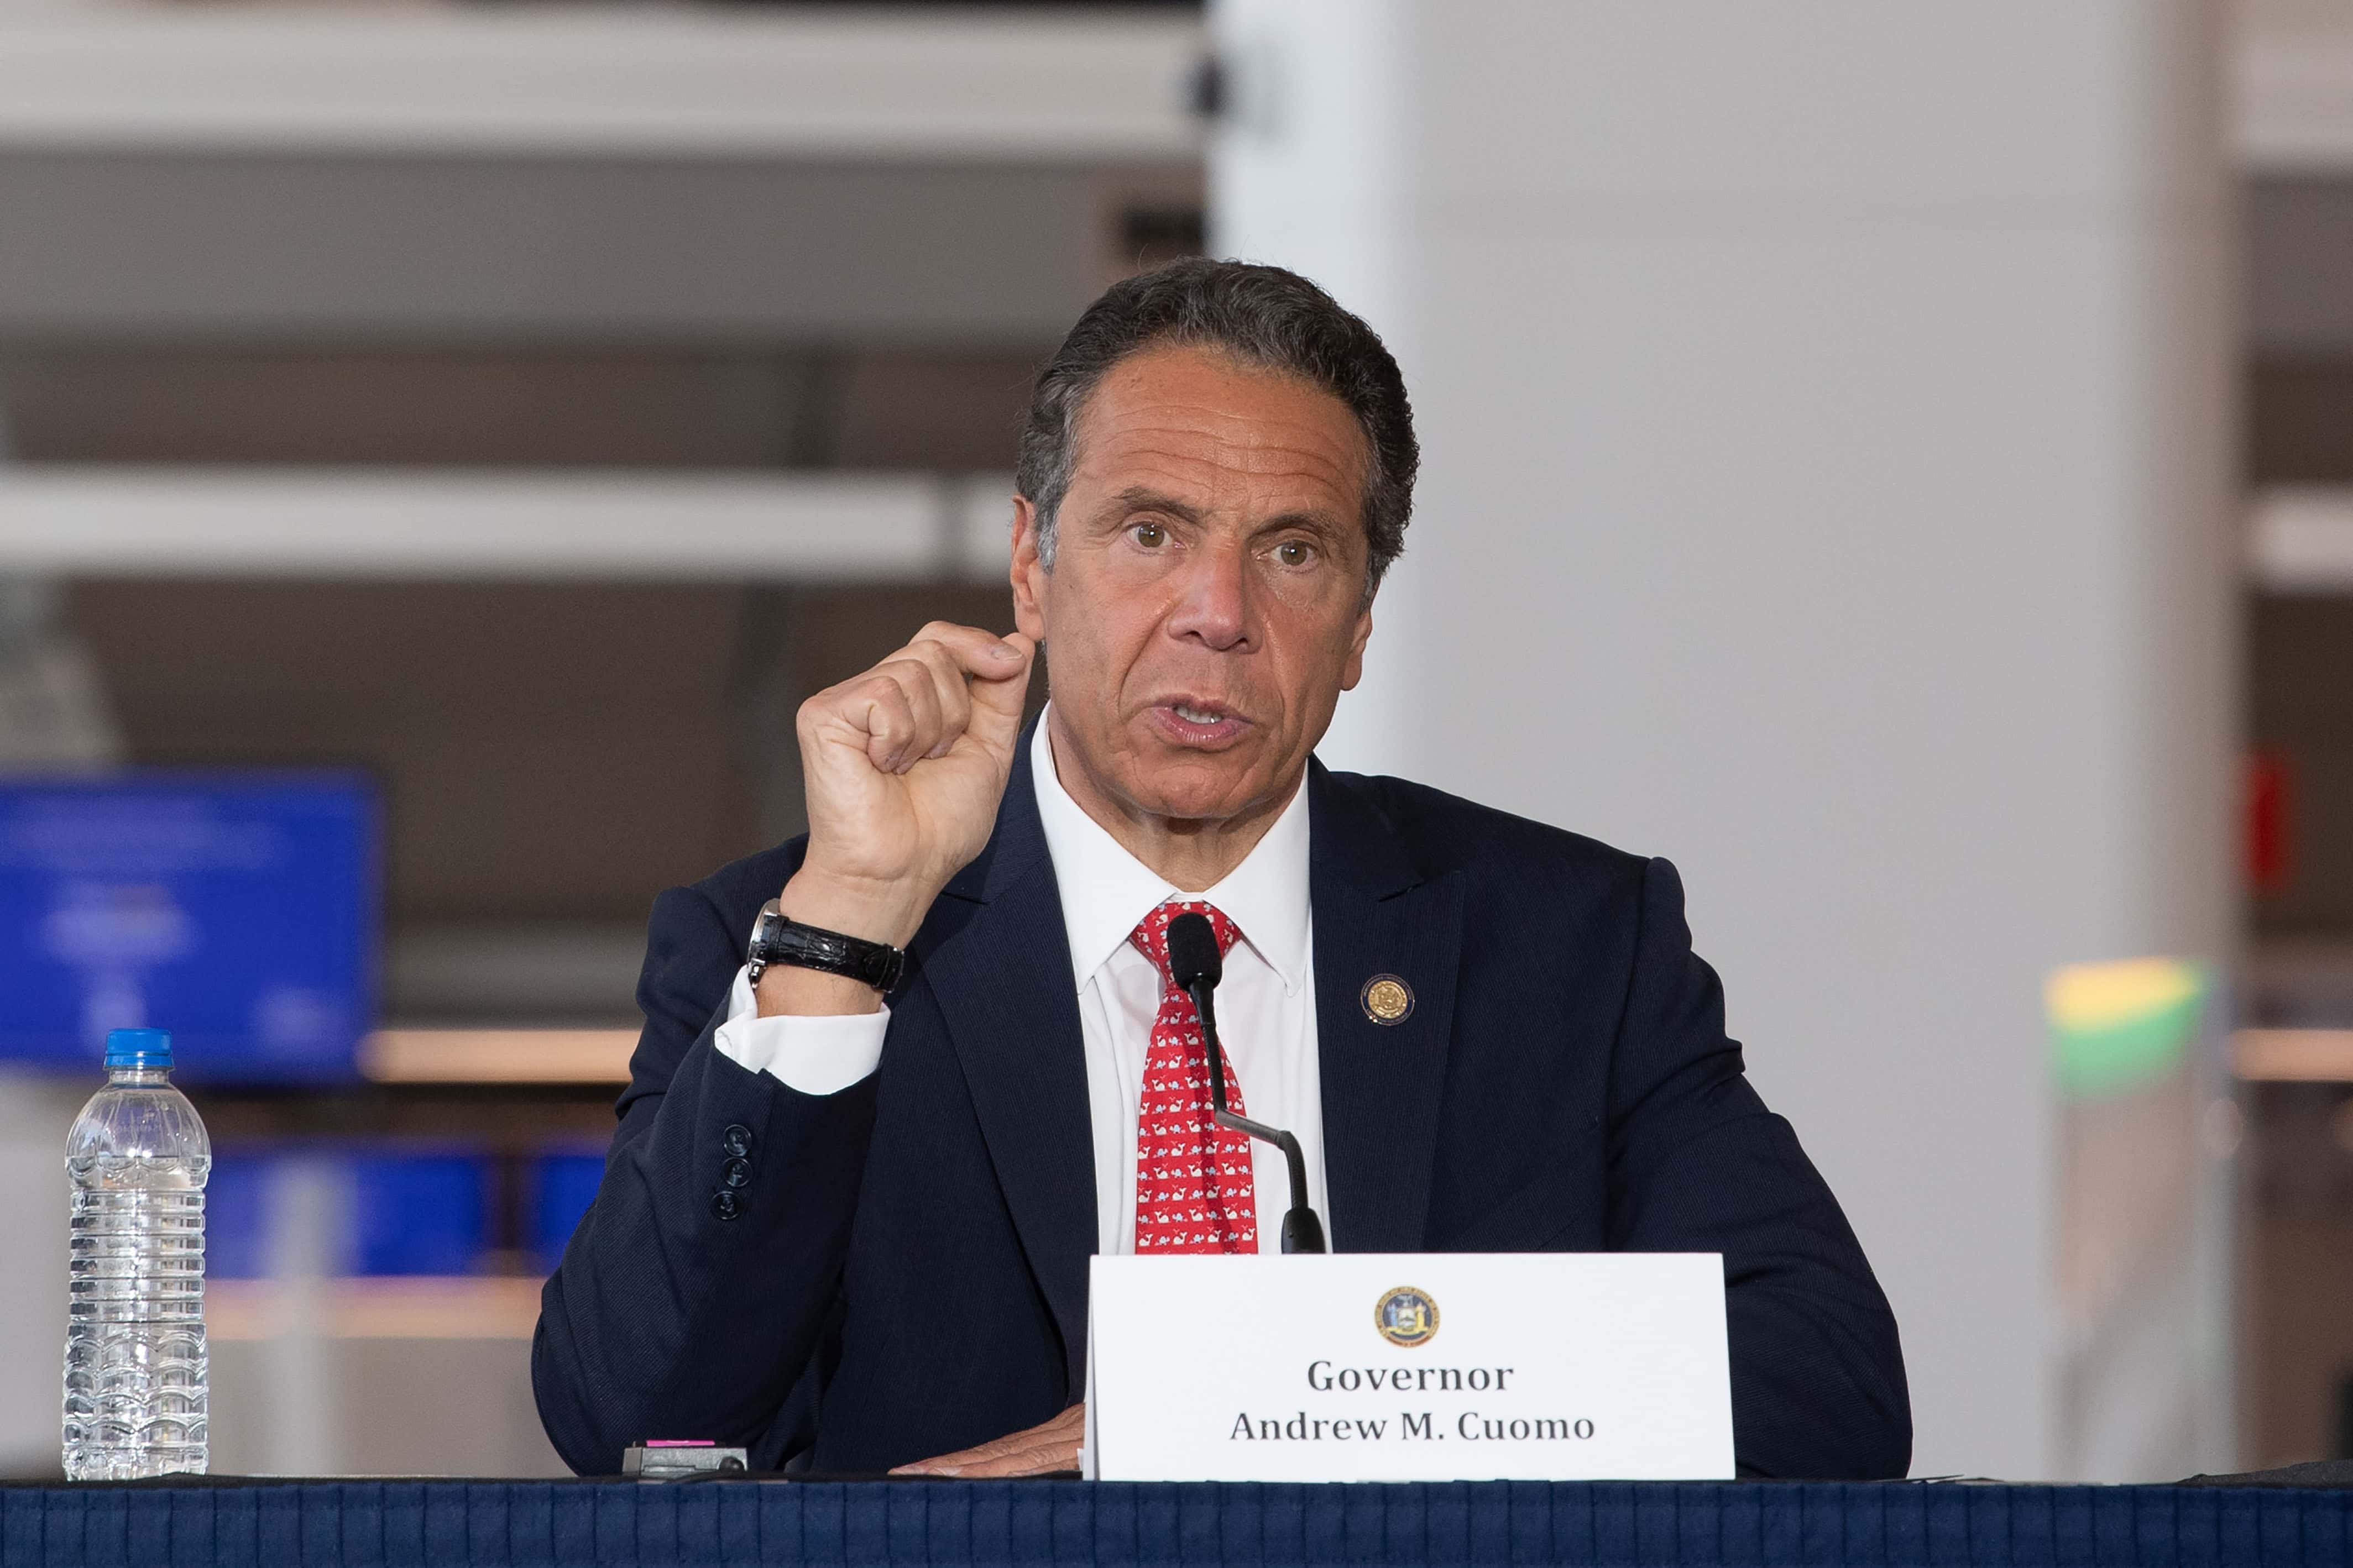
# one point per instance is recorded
(1264, 317)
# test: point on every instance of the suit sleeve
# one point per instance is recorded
(697, 1288)
(1697, 1163)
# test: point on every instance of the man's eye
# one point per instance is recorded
(1150, 535)
(1294, 553)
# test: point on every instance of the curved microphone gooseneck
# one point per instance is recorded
(1196, 966)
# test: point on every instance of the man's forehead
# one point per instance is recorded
(1202, 420)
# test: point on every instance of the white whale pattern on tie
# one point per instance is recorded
(1195, 1191)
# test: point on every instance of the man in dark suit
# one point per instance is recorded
(847, 1217)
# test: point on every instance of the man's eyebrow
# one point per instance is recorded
(1143, 498)
(1318, 522)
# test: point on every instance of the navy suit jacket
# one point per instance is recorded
(906, 1272)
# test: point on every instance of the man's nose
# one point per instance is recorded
(1216, 603)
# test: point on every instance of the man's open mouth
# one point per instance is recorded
(1192, 722)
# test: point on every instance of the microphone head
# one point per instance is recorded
(1193, 955)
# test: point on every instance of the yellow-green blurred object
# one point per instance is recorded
(2116, 1027)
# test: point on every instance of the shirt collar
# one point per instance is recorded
(1106, 892)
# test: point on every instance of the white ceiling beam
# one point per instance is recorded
(2293, 86)
(896, 83)
(2300, 540)
(829, 83)
(98, 520)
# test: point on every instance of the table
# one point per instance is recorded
(1027, 1524)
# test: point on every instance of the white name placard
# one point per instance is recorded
(1397, 1367)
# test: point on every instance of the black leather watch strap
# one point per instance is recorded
(778, 939)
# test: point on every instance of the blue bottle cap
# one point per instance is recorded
(139, 1049)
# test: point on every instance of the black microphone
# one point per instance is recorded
(1196, 966)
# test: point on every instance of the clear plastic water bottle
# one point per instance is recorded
(138, 1157)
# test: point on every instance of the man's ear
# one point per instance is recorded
(1028, 574)
(1353, 670)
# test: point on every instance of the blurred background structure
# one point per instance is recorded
(1830, 423)
(1895, 460)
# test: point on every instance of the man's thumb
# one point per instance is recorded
(1002, 695)
(996, 699)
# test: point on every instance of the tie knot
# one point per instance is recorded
(1151, 936)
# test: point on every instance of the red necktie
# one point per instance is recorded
(1193, 1186)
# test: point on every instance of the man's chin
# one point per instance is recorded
(1192, 787)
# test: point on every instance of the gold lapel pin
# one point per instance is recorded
(1387, 999)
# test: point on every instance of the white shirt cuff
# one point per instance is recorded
(814, 1056)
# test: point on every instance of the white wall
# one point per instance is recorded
(1826, 415)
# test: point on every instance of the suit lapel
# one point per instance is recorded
(1374, 914)
(999, 966)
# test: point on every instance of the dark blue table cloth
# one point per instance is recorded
(1031, 1524)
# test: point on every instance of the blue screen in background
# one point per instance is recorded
(237, 1215)
(563, 1185)
(386, 1211)
(414, 1213)
(237, 911)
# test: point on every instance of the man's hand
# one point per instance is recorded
(905, 766)
(1041, 1450)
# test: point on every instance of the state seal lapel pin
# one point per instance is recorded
(1386, 999)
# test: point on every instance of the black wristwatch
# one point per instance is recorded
(778, 939)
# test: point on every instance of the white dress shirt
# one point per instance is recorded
(1266, 1003)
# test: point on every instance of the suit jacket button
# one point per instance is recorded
(725, 1205)
(736, 1173)
(736, 1140)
